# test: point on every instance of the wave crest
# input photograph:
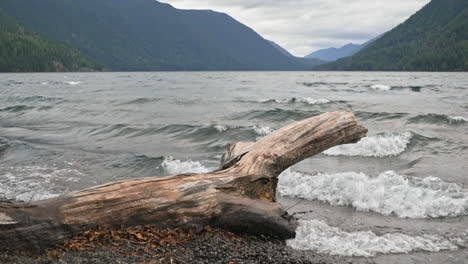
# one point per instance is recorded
(293, 100)
(458, 119)
(387, 194)
(438, 119)
(262, 131)
(16, 108)
(73, 83)
(277, 114)
(318, 236)
(141, 101)
(175, 166)
(374, 146)
(381, 87)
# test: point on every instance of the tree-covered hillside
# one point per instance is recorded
(22, 50)
(149, 35)
(433, 39)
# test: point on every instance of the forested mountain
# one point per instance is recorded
(149, 35)
(433, 39)
(23, 50)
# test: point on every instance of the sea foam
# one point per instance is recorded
(31, 183)
(175, 166)
(220, 128)
(381, 87)
(73, 83)
(458, 119)
(318, 236)
(388, 194)
(384, 145)
(262, 131)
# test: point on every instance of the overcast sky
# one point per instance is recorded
(303, 26)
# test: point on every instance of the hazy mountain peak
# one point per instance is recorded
(332, 54)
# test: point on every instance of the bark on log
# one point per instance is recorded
(240, 196)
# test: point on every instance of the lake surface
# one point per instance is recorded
(404, 189)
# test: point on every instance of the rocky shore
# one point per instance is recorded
(132, 246)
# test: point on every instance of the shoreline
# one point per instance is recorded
(175, 246)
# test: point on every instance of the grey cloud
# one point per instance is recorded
(302, 26)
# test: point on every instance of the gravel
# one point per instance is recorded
(209, 249)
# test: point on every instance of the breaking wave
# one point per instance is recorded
(73, 83)
(413, 88)
(220, 128)
(438, 119)
(388, 194)
(381, 87)
(293, 100)
(175, 166)
(262, 131)
(318, 236)
(384, 145)
(458, 119)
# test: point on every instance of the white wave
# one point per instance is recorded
(312, 101)
(306, 100)
(174, 166)
(381, 87)
(31, 183)
(387, 194)
(456, 119)
(221, 128)
(73, 83)
(374, 146)
(262, 131)
(318, 236)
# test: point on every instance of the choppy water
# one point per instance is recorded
(403, 189)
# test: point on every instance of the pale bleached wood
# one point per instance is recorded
(240, 196)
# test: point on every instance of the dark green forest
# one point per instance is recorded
(140, 35)
(146, 35)
(433, 39)
(23, 50)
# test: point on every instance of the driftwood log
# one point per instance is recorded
(240, 196)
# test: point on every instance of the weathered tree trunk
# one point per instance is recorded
(240, 196)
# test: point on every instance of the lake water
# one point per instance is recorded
(404, 189)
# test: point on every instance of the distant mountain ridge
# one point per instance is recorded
(23, 50)
(433, 39)
(332, 54)
(308, 63)
(146, 35)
